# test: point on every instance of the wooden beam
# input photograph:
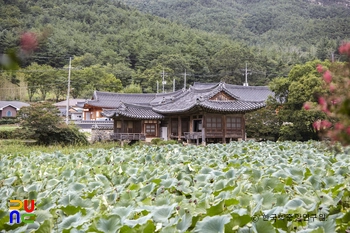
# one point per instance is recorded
(243, 125)
(179, 130)
(224, 129)
(123, 126)
(169, 128)
(191, 124)
(203, 129)
(142, 126)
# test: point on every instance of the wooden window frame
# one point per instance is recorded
(149, 131)
(233, 122)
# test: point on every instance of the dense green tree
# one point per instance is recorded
(263, 124)
(107, 37)
(41, 122)
(132, 88)
(302, 84)
(60, 84)
(39, 78)
(264, 23)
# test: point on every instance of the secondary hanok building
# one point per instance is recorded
(205, 112)
(11, 108)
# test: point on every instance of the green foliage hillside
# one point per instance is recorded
(301, 23)
(113, 46)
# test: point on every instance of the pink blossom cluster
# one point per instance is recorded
(29, 42)
(334, 103)
(345, 48)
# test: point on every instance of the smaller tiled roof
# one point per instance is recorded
(113, 100)
(161, 97)
(133, 111)
(72, 102)
(15, 104)
(236, 106)
(243, 98)
(250, 93)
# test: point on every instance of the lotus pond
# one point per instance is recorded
(237, 187)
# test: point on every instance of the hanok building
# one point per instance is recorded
(11, 108)
(206, 112)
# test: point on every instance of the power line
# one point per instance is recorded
(34, 71)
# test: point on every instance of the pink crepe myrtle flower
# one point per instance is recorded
(327, 77)
(339, 126)
(322, 101)
(307, 106)
(317, 125)
(348, 130)
(319, 68)
(29, 42)
(326, 124)
(332, 87)
(345, 48)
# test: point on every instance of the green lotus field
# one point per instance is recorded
(238, 187)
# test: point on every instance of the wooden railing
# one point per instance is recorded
(214, 134)
(128, 136)
(192, 135)
(94, 122)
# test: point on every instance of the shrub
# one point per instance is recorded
(156, 141)
(159, 142)
(6, 134)
(8, 121)
(41, 122)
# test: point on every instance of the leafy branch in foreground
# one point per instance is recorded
(336, 102)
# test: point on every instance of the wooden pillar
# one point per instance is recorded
(123, 127)
(224, 129)
(169, 129)
(203, 130)
(203, 137)
(243, 129)
(191, 124)
(179, 129)
(114, 125)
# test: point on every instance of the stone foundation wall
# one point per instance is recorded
(101, 133)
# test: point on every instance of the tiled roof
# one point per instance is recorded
(15, 104)
(72, 102)
(244, 98)
(133, 111)
(161, 97)
(250, 93)
(152, 106)
(113, 100)
(235, 106)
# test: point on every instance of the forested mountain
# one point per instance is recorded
(303, 24)
(113, 46)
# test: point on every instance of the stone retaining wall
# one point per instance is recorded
(101, 133)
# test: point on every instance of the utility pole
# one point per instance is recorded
(185, 79)
(246, 76)
(157, 86)
(68, 90)
(163, 82)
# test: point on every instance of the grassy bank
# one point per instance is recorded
(25, 147)
(8, 127)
